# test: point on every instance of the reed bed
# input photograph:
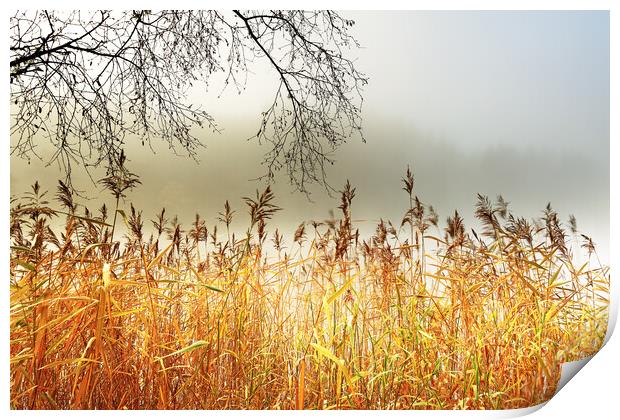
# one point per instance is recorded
(419, 316)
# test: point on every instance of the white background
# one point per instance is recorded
(591, 394)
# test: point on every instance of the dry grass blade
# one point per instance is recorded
(436, 318)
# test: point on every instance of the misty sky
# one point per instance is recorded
(515, 103)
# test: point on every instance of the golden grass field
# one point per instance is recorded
(422, 315)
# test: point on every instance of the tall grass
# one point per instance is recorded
(417, 316)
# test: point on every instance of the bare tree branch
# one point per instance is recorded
(86, 82)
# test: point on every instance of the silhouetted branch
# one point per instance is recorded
(89, 82)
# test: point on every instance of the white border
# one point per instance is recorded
(592, 394)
